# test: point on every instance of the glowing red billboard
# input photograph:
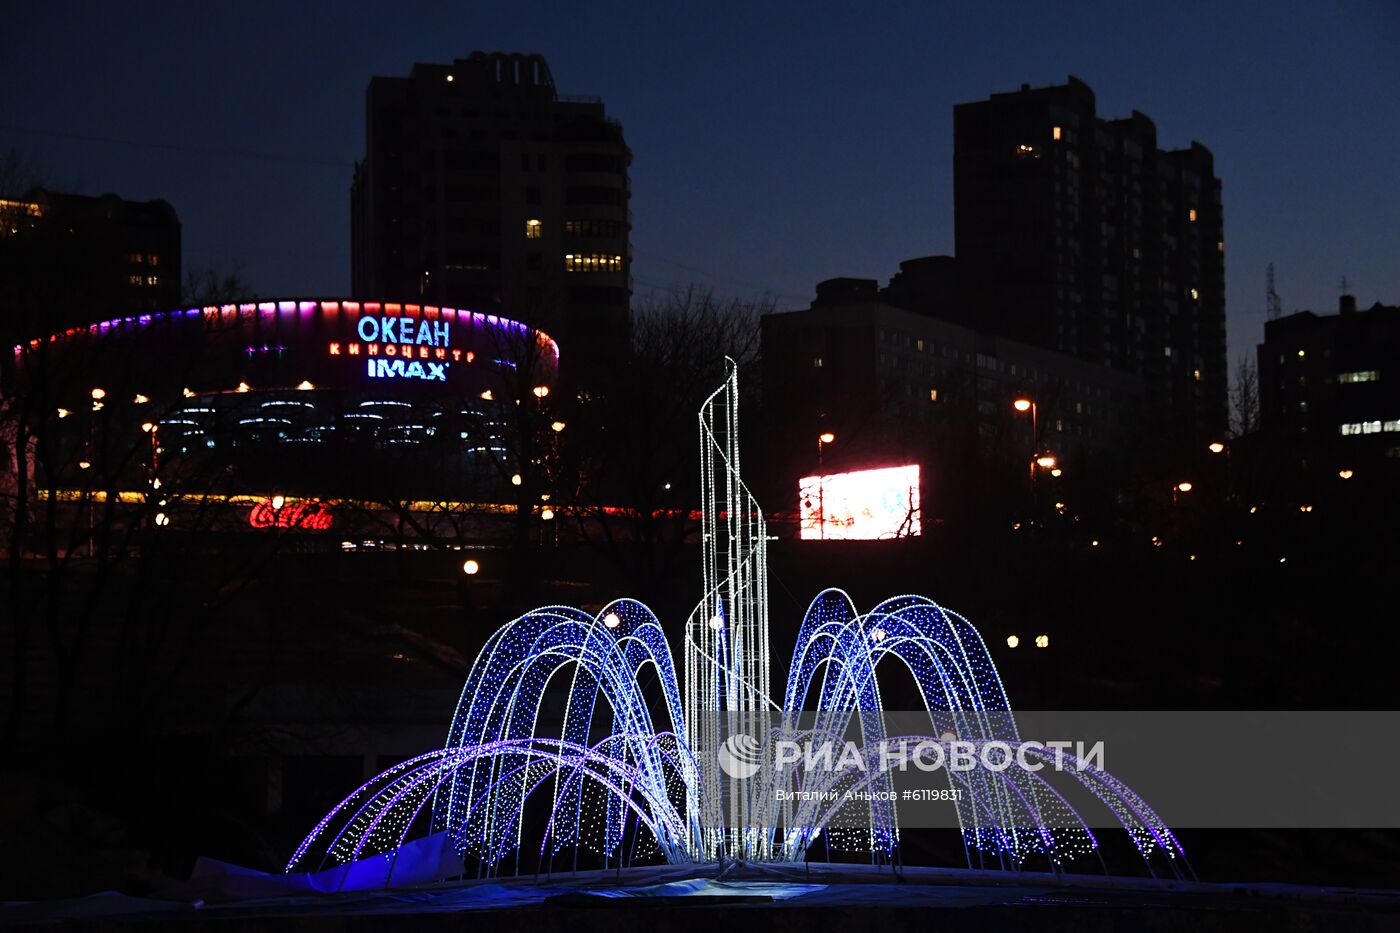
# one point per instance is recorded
(862, 505)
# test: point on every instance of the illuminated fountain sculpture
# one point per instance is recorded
(631, 777)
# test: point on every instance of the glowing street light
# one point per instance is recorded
(540, 391)
(612, 620)
(1046, 461)
(148, 426)
(827, 437)
(1012, 641)
(515, 479)
(1056, 472)
(99, 394)
(1042, 641)
(64, 413)
(140, 399)
(1184, 487)
(1022, 405)
(557, 426)
(1345, 474)
(84, 464)
(547, 515)
(1216, 447)
(470, 567)
(162, 519)
(305, 385)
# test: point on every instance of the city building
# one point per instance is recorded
(1333, 380)
(894, 384)
(67, 259)
(482, 187)
(304, 416)
(1079, 234)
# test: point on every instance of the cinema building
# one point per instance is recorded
(312, 417)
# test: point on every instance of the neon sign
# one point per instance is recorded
(403, 348)
(306, 515)
(393, 369)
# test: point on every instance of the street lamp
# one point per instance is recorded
(470, 567)
(1184, 487)
(826, 437)
(1216, 447)
(1345, 474)
(1025, 404)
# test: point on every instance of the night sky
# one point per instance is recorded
(772, 147)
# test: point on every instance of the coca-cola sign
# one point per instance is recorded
(304, 515)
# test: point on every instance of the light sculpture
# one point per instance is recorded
(510, 791)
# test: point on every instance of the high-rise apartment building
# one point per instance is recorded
(68, 260)
(484, 188)
(1079, 234)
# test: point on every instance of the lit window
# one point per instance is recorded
(592, 262)
(136, 258)
(1196, 374)
(816, 362)
(1392, 426)
(920, 344)
(1055, 132)
(1302, 354)
(137, 279)
(153, 259)
(1369, 375)
(532, 229)
(1167, 352)
(1220, 246)
(1192, 215)
(1195, 295)
(152, 280)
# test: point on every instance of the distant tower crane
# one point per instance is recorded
(1271, 298)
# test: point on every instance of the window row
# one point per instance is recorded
(1371, 427)
(592, 262)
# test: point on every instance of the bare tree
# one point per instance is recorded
(1244, 398)
(215, 285)
(632, 445)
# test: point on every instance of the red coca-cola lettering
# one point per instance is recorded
(306, 515)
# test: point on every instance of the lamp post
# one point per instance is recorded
(1220, 447)
(1025, 404)
(822, 440)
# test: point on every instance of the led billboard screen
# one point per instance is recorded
(861, 505)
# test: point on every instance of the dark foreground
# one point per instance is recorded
(824, 897)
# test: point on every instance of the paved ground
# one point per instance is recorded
(836, 898)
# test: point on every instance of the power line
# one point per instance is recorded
(182, 147)
(716, 275)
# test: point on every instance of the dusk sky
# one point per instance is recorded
(773, 147)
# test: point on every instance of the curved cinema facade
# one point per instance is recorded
(315, 400)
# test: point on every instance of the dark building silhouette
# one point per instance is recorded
(484, 188)
(67, 260)
(1079, 234)
(1333, 380)
(893, 375)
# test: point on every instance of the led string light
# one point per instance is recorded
(644, 780)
